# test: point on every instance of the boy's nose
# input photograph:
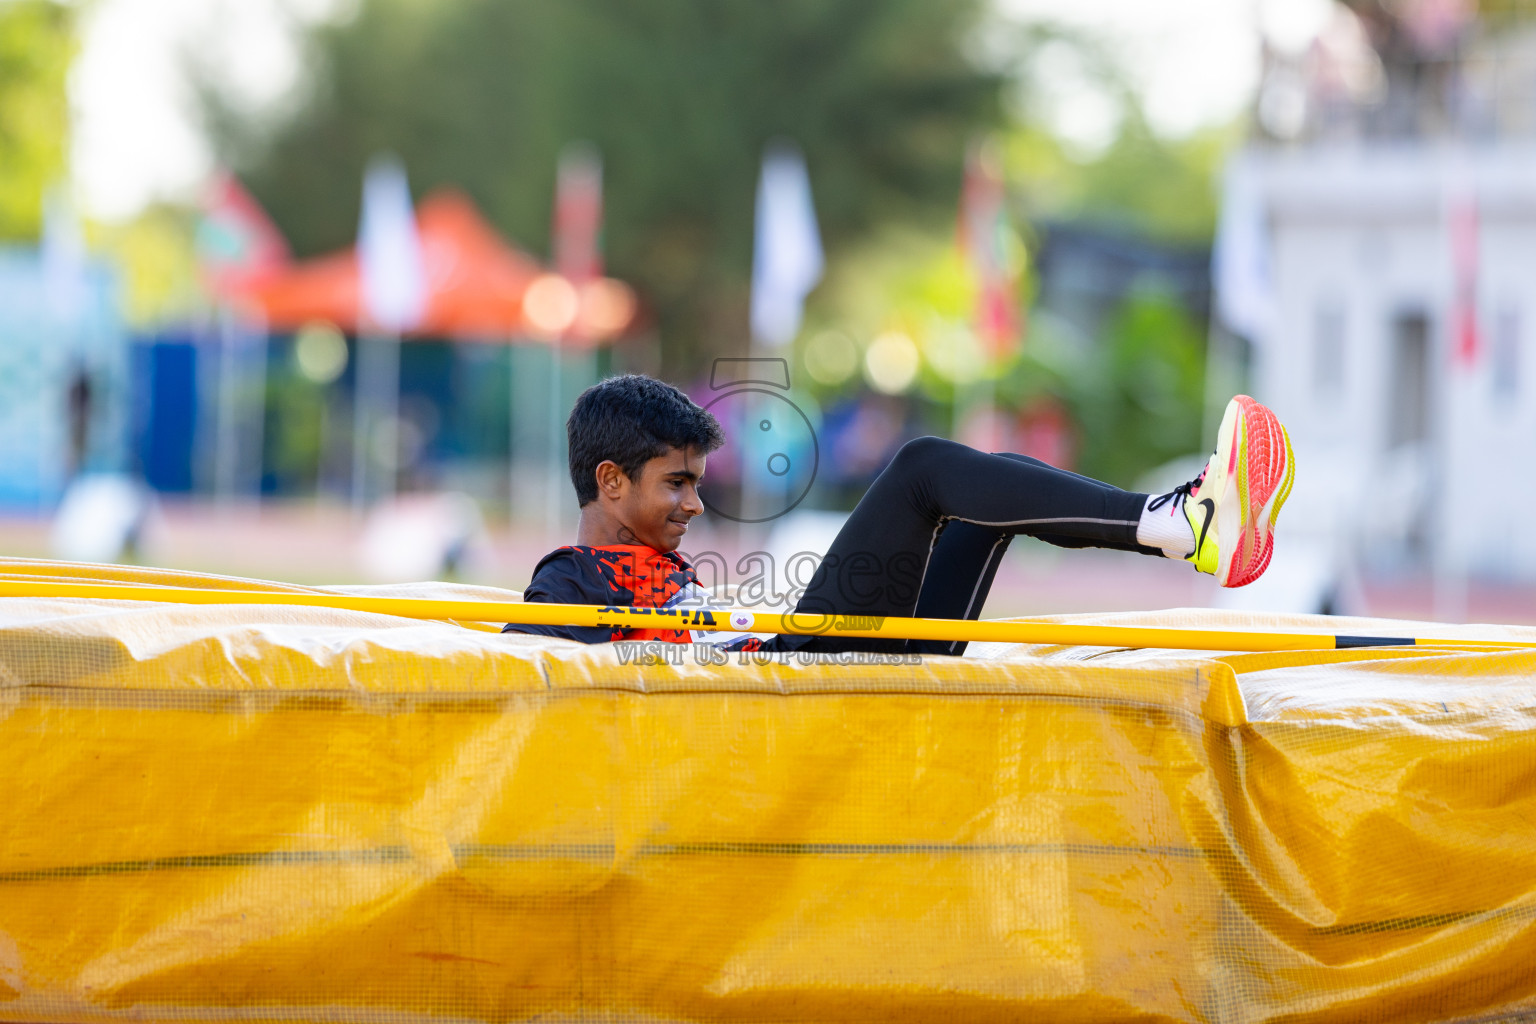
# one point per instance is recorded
(691, 503)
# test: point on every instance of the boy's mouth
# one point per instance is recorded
(681, 524)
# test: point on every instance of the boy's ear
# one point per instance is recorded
(610, 479)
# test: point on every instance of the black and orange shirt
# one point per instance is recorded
(623, 575)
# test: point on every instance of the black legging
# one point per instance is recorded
(927, 537)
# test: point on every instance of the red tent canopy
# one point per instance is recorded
(476, 282)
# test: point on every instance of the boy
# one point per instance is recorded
(925, 539)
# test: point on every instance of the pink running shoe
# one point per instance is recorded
(1233, 504)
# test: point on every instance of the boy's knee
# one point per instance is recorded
(924, 451)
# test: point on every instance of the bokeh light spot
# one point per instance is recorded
(320, 352)
(831, 357)
(550, 304)
(606, 308)
(891, 363)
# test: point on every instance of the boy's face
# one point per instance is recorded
(655, 508)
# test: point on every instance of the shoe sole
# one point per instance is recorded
(1259, 474)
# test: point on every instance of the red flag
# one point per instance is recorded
(1462, 225)
(579, 215)
(238, 246)
(989, 245)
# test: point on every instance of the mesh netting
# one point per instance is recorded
(254, 813)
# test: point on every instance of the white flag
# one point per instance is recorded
(786, 257)
(394, 285)
(1240, 267)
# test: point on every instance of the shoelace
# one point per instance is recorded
(1178, 495)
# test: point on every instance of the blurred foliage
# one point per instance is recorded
(1504, 14)
(1139, 404)
(901, 278)
(1133, 384)
(156, 256)
(294, 432)
(680, 97)
(37, 43)
(1492, 14)
(1160, 187)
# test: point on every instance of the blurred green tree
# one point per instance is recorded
(1139, 404)
(1133, 380)
(37, 42)
(1159, 186)
(680, 96)
(295, 409)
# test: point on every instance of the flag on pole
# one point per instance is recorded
(1462, 229)
(237, 244)
(577, 246)
(786, 256)
(991, 249)
(394, 284)
(1240, 270)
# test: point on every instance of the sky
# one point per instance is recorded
(136, 137)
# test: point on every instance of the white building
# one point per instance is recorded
(1351, 269)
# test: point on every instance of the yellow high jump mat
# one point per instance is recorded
(258, 813)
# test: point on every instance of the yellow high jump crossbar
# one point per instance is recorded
(751, 621)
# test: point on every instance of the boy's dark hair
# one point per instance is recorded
(631, 420)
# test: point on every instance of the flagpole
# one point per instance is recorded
(238, 248)
(787, 263)
(553, 491)
(1450, 396)
(227, 438)
(258, 424)
(360, 426)
(986, 238)
(375, 416)
(513, 402)
(395, 297)
(576, 256)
